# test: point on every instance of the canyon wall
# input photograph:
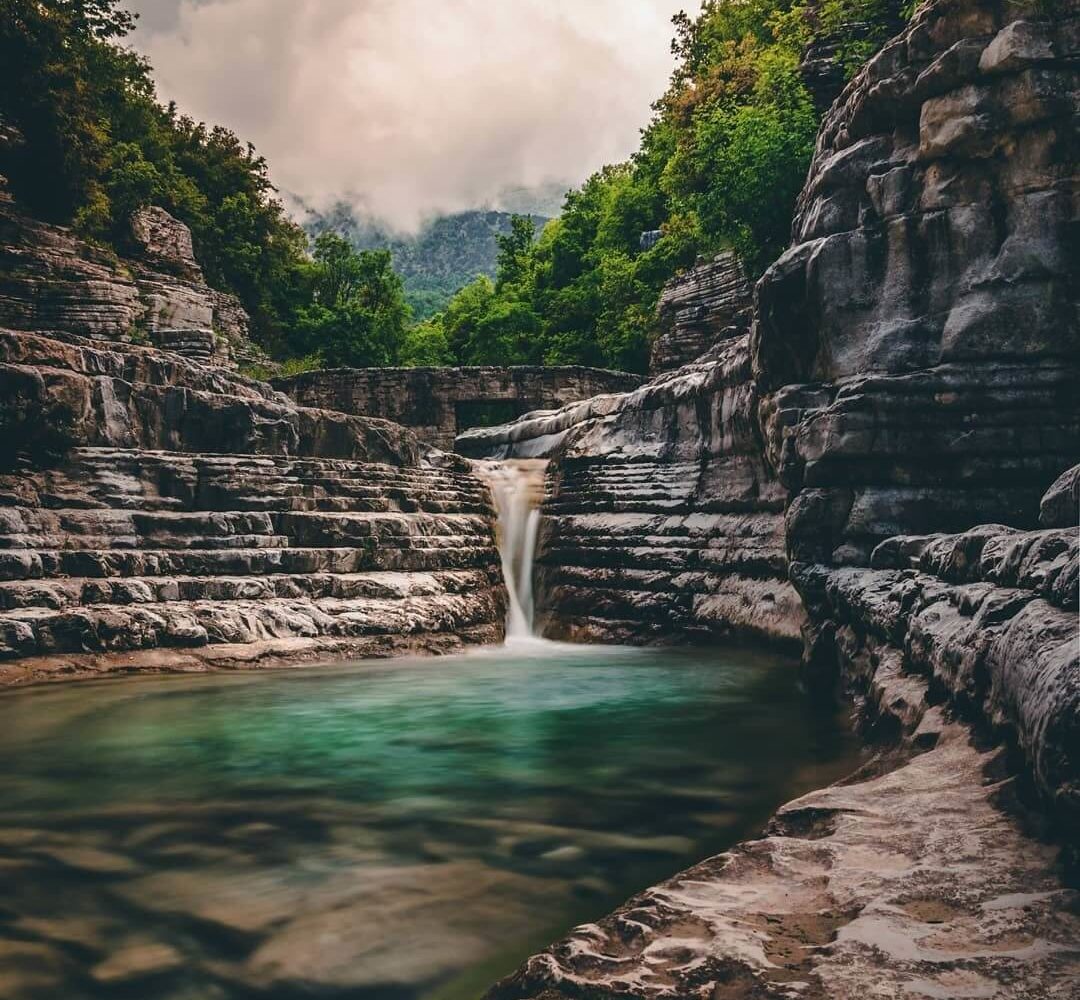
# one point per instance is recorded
(911, 377)
(159, 513)
(706, 304)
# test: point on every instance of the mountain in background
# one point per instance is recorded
(448, 252)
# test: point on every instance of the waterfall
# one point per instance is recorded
(517, 487)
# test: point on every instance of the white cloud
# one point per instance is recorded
(411, 107)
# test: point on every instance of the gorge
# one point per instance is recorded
(827, 555)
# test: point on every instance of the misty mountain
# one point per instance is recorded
(448, 251)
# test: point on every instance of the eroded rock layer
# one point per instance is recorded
(662, 520)
(157, 513)
(918, 345)
(51, 281)
(706, 304)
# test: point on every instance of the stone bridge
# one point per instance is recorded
(439, 403)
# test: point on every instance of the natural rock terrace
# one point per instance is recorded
(171, 506)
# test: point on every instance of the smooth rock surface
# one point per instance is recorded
(172, 506)
(662, 522)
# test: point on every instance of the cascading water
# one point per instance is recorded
(517, 487)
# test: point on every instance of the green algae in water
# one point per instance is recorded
(402, 828)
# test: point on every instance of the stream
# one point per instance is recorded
(406, 828)
(392, 829)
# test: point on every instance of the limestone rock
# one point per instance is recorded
(52, 282)
(663, 522)
(165, 242)
(698, 308)
(917, 346)
(182, 507)
(1060, 505)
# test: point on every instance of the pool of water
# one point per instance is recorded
(391, 829)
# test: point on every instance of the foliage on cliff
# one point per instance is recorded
(95, 144)
(719, 165)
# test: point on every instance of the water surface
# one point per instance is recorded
(391, 829)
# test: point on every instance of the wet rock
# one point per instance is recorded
(663, 520)
(133, 962)
(864, 888)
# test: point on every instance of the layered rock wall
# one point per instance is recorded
(706, 304)
(159, 514)
(663, 521)
(438, 403)
(53, 282)
(918, 345)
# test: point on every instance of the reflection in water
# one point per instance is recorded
(407, 828)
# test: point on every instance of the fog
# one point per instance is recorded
(409, 108)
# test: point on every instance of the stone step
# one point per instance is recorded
(95, 478)
(65, 593)
(29, 528)
(122, 628)
(766, 561)
(407, 554)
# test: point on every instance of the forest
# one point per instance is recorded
(719, 165)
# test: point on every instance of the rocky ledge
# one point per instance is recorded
(53, 282)
(160, 514)
(662, 522)
(910, 377)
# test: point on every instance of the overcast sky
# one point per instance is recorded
(412, 107)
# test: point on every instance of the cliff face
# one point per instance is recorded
(709, 303)
(663, 522)
(917, 346)
(53, 282)
(918, 351)
(911, 378)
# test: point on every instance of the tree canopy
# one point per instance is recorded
(719, 166)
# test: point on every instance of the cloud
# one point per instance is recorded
(414, 107)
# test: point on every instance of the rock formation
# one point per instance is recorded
(918, 351)
(663, 521)
(706, 304)
(161, 514)
(914, 361)
(918, 343)
(437, 403)
(53, 282)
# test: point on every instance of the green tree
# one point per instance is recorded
(426, 345)
(355, 315)
(97, 145)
